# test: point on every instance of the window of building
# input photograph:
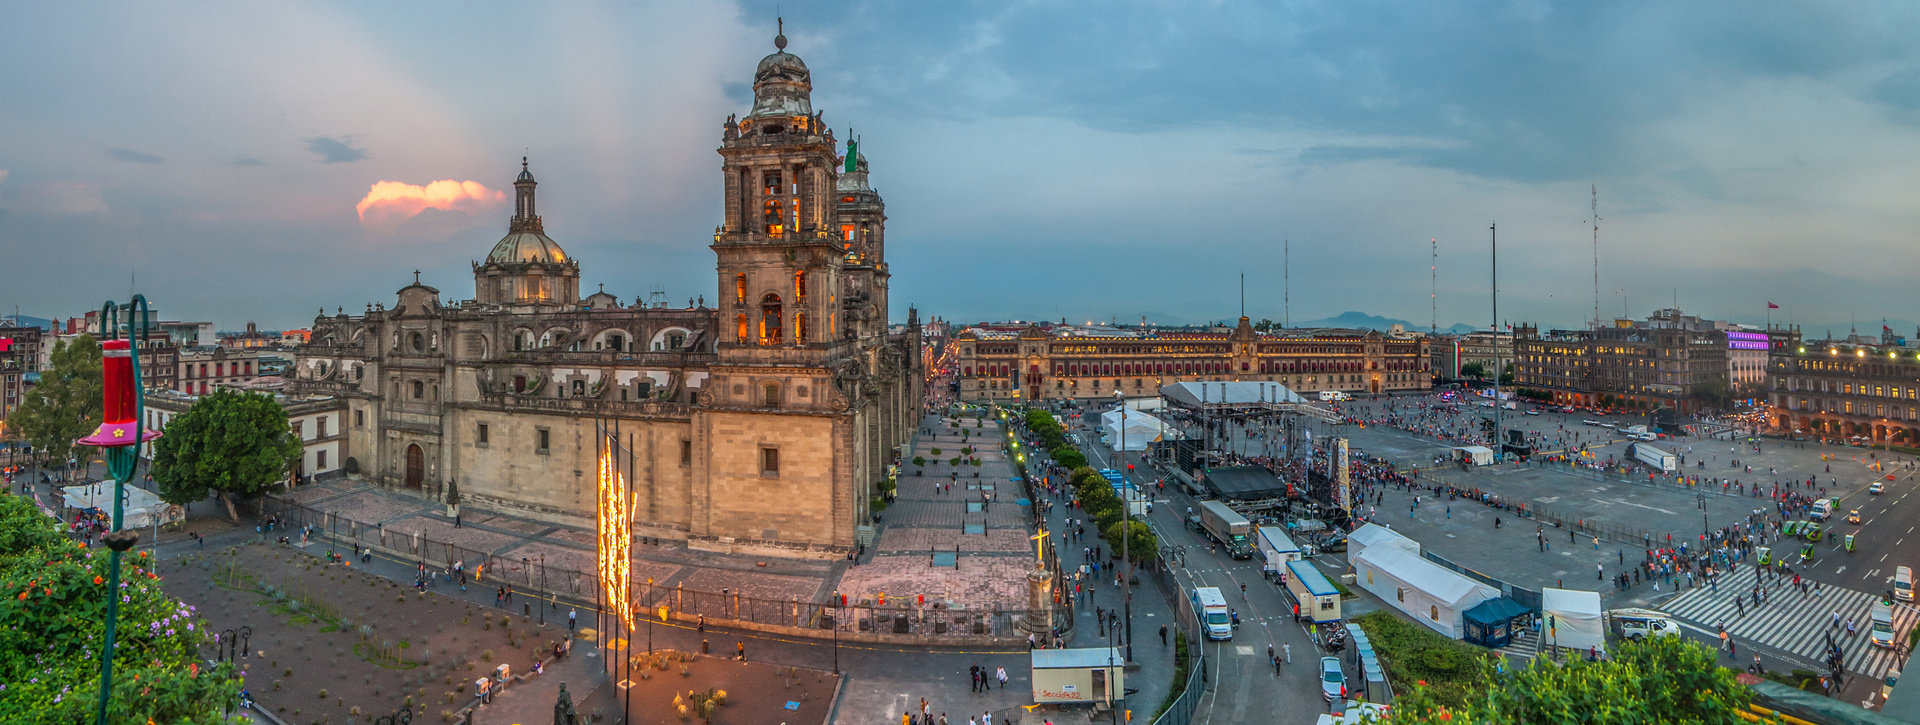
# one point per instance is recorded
(419, 390)
(297, 430)
(579, 387)
(770, 183)
(740, 289)
(769, 461)
(319, 460)
(770, 320)
(480, 435)
(800, 285)
(320, 427)
(773, 216)
(686, 452)
(800, 327)
(772, 395)
(519, 383)
(542, 437)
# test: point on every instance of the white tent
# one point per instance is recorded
(138, 505)
(1372, 535)
(1431, 594)
(1222, 392)
(1142, 429)
(1577, 619)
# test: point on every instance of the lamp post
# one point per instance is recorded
(121, 433)
(1126, 527)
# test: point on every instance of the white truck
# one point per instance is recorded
(1639, 433)
(1227, 527)
(1658, 459)
(1210, 607)
(1275, 551)
(1641, 623)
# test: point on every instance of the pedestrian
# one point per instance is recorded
(740, 647)
(986, 718)
(1000, 673)
(572, 619)
(974, 672)
(1163, 635)
(1599, 572)
(1286, 652)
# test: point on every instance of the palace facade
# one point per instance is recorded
(762, 421)
(1066, 362)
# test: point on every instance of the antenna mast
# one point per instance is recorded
(1596, 257)
(1286, 283)
(1433, 298)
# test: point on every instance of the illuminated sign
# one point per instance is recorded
(1746, 341)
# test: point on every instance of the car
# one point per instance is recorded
(1533, 411)
(1333, 681)
(1853, 517)
(1591, 421)
(1608, 425)
(1878, 487)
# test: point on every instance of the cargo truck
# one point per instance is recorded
(1227, 527)
(1658, 459)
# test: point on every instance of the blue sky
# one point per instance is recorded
(1086, 160)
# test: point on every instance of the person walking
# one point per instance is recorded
(1000, 673)
(1163, 635)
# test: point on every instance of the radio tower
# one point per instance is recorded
(1596, 257)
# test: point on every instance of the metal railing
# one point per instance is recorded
(882, 616)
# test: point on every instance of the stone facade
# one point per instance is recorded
(762, 422)
(1669, 360)
(1071, 363)
(1853, 390)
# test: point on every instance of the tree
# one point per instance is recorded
(1473, 370)
(1659, 680)
(65, 406)
(1506, 375)
(229, 443)
(1144, 546)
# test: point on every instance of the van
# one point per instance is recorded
(1638, 624)
(1211, 608)
(1823, 509)
(1903, 583)
(1880, 625)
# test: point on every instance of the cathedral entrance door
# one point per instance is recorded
(416, 465)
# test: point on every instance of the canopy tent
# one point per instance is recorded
(1577, 621)
(1141, 429)
(139, 506)
(1226, 393)
(1433, 595)
(1490, 623)
(1371, 535)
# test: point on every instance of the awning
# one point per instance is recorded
(1495, 611)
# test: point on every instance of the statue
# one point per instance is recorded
(563, 708)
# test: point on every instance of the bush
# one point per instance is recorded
(1455, 672)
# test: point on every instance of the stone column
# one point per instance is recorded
(1039, 616)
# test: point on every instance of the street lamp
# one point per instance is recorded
(1126, 528)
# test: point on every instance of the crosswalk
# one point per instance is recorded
(1795, 623)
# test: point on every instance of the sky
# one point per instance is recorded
(262, 161)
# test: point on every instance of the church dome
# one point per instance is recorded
(527, 247)
(782, 86)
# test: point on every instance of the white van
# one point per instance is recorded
(1642, 623)
(1211, 608)
(1334, 395)
(1903, 583)
(1880, 625)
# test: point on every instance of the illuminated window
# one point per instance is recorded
(770, 183)
(741, 333)
(770, 320)
(800, 327)
(774, 216)
(740, 289)
(800, 285)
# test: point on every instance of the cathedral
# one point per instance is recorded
(762, 422)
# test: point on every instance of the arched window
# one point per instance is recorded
(800, 327)
(419, 390)
(774, 216)
(740, 289)
(800, 285)
(770, 320)
(741, 334)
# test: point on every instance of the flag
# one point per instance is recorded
(1884, 328)
(1772, 306)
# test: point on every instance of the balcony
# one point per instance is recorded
(588, 406)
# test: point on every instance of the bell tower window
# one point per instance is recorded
(800, 285)
(770, 320)
(741, 333)
(774, 217)
(800, 327)
(740, 289)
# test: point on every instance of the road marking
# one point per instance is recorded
(1883, 557)
(1842, 568)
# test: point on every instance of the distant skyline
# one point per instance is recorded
(264, 161)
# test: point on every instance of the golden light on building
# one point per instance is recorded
(616, 536)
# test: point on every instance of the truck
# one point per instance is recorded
(1639, 433)
(1823, 509)
(1658, 459)
(1210, 607)
(1275, 551)
(1641, 623)
(1227, 527)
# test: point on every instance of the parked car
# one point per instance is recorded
(1591, 421)
(1333, 681)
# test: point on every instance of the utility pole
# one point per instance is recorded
(1286, 283)
(1596, 257)
(1433, 298)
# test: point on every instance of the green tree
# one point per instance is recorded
(1144, 546)
(229, 443)
(1660, 680)
(1506, 375)
(65, 406)
(1473, 370)
(53, 624)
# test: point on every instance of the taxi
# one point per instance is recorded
(1853, 517)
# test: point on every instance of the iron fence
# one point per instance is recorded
(880, 616)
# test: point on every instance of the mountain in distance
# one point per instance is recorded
(26, 321)
(1362, 321)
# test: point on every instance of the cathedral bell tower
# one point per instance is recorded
(862, 235)
(780, 259)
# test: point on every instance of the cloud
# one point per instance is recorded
(248, 161)
(335, 151)
(135, 157)
(391, 202)
(3, 176)
(63, 198)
